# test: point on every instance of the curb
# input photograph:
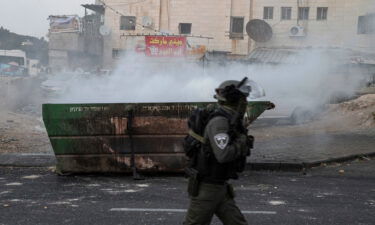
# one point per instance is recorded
(275, 166)
(27, 160)
(47, 160)
(299, 166)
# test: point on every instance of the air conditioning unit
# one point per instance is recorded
(297, 31)
(147, 21)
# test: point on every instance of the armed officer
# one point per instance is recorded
(221, 157)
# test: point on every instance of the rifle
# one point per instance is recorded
(234, 124)
(136, 175)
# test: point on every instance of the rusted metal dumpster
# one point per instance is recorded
(89, 138)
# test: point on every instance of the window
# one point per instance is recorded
(321, 13)
(184, 28)
(303, 13)
(366, 24)
(286, 13)
(268, 13)
(127, 23)
(236, 27)
(115, 54)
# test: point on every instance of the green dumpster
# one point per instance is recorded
(90, 138)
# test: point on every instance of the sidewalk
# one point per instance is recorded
(308, 151)
(291, 153)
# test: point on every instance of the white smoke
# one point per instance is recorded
(139, 78)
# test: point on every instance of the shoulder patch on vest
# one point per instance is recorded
(221, 140)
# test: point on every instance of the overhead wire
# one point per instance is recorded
(105, 5)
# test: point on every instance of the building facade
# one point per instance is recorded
(319, 23)
(217, 25)
(75, 43)
(220, 26)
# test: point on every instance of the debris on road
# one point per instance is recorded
(31, 177)
(276, 202)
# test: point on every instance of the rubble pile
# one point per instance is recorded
(357, 115)
(360, 111)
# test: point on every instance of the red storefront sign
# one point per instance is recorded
(165, 46)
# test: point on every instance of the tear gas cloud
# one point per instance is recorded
(142, 79)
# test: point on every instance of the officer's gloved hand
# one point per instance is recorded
(250, 141)
(250, 144)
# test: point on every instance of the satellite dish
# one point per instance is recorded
(259, 30)
(146, 21)
(104, 30)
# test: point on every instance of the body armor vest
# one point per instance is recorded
(210, 170)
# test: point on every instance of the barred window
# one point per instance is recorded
(303, 13)
(366, 24)
(115, 54)
(236, 27)
(321, 13)
(268, 13)
(286, 13)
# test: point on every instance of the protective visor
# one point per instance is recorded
(250, 89)
(243, 86)
(256, 90)
(245, 89)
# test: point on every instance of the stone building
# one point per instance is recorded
(220, 26)
(217, 25)
(75, 43)
(319, 23)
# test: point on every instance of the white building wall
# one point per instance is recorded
(209, 18)
(339, 30)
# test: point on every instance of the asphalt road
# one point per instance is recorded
(334, 194)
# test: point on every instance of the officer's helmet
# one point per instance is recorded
(232, 90)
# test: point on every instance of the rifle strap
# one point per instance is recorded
(197, 136)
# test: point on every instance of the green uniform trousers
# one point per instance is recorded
(213, 199)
